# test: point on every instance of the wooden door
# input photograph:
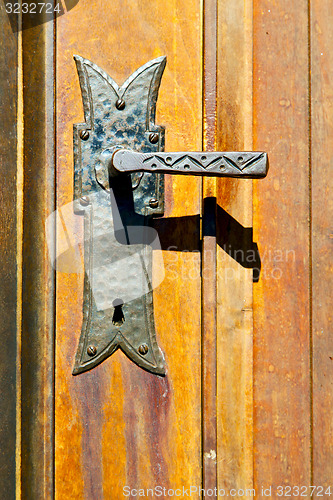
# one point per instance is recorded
(242, 315)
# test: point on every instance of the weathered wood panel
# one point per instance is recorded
(119, 425)
(38, 279)
(322, 238)
(8, 260)
(234, 237)
(209, 338)
(281, 219)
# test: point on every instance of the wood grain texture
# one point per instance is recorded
(38, 279)
(118, 425)
(281, 298)
(8, 261)
(209, 340)
(234, 281)
(322, 237)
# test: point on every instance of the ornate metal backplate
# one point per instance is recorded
(118, 300)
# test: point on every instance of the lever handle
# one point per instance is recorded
(250, 165)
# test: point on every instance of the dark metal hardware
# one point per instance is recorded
(153, 203)
(143, 349)
(92, 351)
(153, 138)
(117, 116)
(119, 184)
(120, 104)
(84, 201)
(84, 134)
(249, 165)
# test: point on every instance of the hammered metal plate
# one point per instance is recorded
(118, 240)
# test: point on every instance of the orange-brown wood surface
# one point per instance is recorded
(9, 266)
(209, 333)
(234, 279)
(322, 238)
(282, 417)
(118, 425)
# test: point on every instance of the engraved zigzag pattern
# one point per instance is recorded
(202, 164)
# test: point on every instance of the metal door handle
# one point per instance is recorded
(119, 185)
(243, 165)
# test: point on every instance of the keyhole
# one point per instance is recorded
(118, 315)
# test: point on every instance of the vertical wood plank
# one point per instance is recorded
(209, 368)
(234, 237)
(8, 261)
(322, 238)
(209, 381)
(117, 425)
(38, 279)
(281, 298)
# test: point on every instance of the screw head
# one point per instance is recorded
(84, 201)
(153, 137)
(153, 203)
(84, 134)
(143, 349)
(120, 104)
(92, 350)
